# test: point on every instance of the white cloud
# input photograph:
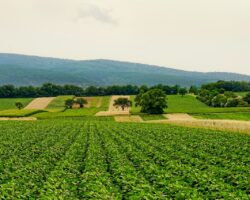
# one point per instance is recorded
(99, 14)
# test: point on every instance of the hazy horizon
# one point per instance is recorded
(204, 36)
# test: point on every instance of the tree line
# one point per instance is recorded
(50, 90)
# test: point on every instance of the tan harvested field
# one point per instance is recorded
(114, 110)
(18, 119)
(129, 118)
(39, 103)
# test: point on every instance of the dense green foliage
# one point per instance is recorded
(37, 70)
(9, 103)
(123, 103)
(50, 90)
(224, 99)
(153, 101)
(74, 159)
(233, 86)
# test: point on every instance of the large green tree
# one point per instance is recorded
(152, 102)
(19, 105)
(123, 103)
(69, 103)
(81, 102)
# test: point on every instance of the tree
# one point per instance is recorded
(247, 98)
(123, 103)
(81, 102)
(152, 102)
(183, 91)
(69, 103)
(19, 105)
(193, 90)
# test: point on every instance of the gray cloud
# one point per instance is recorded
(97, 13)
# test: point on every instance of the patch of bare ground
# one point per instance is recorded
(179, 116)
(18, 119)
(113, 110)
(130, 118)
(39, 103)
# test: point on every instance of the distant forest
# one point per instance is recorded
(49, 89)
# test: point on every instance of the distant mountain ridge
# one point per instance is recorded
(34, 70)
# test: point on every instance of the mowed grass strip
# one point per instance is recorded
(146, 117)
(18, 113)
(245, 116)
(9, 103)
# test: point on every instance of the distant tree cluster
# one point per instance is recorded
(226, 99)
(69, 103)
(49, 89)
(233, 86)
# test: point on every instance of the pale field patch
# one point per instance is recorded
(39, 103)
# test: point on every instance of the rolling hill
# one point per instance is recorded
(33, 70)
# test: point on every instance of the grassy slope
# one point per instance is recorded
(58, 102)
(54, 113)
(6, 103)
(189, 104)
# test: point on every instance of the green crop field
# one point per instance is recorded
(76, 159)
(9, 103)
(232, 116)
(189, 104)
(147, 117)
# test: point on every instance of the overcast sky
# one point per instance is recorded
(200, 35)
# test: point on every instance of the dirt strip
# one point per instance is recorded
(18, 119)
(39, 103)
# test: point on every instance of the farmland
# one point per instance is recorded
(71, 159)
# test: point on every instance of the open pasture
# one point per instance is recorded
(9, 103)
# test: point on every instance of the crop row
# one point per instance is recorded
(74, 159)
